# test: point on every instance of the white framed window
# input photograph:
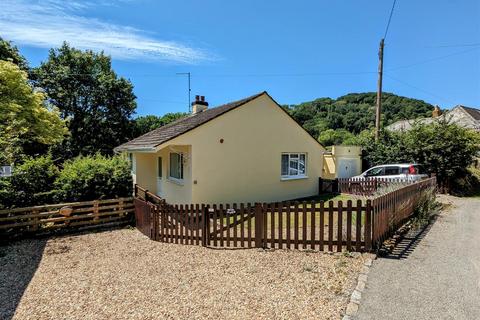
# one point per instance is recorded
(176, 166)
(294, 165)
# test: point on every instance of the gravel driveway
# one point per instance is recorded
(123, 275)
(437, 277)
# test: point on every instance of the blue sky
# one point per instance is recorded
(296, 50)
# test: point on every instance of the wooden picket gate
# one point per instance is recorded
(145, 217)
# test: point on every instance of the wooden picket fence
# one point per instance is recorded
(393, 208)
(316, 225)
(64, 216)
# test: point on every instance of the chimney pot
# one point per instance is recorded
(199, 104)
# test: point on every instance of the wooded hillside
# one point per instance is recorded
(355, 112)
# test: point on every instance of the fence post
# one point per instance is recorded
(206, 226)
(335, 188)
(368, 226)
(151, 217)
(120, 207)
(95, 210)
(258, 225)
(35, 220)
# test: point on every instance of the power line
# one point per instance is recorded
(455, 45)
(432, 59)
(420, 89)
(389, 19)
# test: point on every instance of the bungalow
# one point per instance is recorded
(465, 117)
(249, 150)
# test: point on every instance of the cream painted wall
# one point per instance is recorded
(173, 191)
(144, 174)
(246, 166)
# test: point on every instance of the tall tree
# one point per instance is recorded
(96, 102)
(148, 123)
(25, 120)
(9, 52)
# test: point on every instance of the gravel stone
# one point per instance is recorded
(121, 274)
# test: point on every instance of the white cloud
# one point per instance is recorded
(47, 23)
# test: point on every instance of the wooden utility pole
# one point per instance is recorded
(378, 113)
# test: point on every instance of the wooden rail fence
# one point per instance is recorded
(317, 225)
(47, 218)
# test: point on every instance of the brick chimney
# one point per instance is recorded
(199, 105)
(436, 112)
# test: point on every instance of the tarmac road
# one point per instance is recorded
(434, 277)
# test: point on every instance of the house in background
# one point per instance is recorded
(249, 150)
(342, 162)
(465, 117)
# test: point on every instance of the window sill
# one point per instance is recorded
(293, 178)
(176, 181)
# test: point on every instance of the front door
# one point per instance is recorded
(159, 176)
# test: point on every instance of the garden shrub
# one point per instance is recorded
(425, 207)
(6, 194)
(31, 182)
(467, 184)
(94, 177)
(444, 149)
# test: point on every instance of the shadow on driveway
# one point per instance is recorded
(409, 242)
(18, 262)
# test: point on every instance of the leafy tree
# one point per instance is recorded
(97, 103)
(390, 148)
(9, 52)
(445, 149)
(331, 137)
(148, 123)
(25, 120)
(94, 177)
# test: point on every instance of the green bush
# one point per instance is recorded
(444, 149)
(94, 177)
(31, 182)
(6, 194)
(425, 208)
(467, 184)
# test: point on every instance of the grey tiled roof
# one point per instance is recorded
(163, 134)
(475, 113)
